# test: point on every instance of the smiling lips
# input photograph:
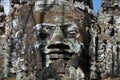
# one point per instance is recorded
(58, 53)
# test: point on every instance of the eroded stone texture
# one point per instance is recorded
(59, 40)
(3, 53)
(50, 40)
(108, 43)
(2, 20)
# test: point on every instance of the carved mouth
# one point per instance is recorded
(61, 46)
(58, 51)
(57, 54)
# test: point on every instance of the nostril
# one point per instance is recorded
(58, 45)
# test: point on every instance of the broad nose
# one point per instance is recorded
(58, 40)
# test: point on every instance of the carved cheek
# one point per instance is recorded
(79, 38)
(74, 61)
(74, 43)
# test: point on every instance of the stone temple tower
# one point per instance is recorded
(109, 38)
(60, 40)
(3, 53)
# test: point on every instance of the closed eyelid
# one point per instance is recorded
(71, 29)
(71, 32)
(48, 27)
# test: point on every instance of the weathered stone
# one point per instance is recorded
(59, 40)
(111, 29)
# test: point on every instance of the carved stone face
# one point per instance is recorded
(60, 32)
(62, 48)
(60, 39)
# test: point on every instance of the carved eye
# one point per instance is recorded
(43, 34)
(72, 33)
(48, 28)
(46, 31)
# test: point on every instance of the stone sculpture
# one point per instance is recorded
(62, 43)
(59, 40)
(55, 39)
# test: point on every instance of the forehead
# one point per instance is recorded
(57, 13)
(57, 17)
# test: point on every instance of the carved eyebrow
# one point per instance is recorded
(66, 25)
(48, 24)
